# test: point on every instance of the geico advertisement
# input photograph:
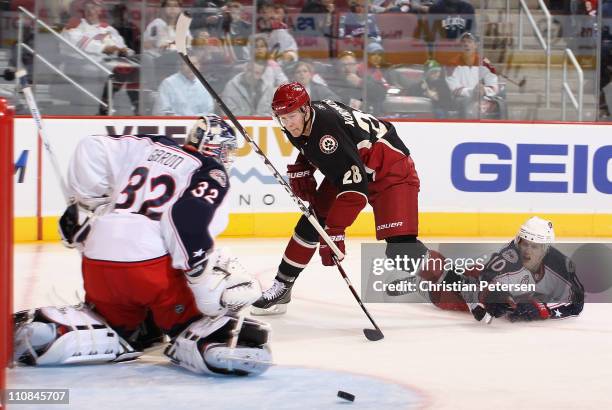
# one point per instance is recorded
(463, 167)
(512, 167)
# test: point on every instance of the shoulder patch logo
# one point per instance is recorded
(320, 106)
(219, 176)
(328, 144)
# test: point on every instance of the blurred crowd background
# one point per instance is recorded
(443, 59)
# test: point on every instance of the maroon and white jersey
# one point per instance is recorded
(165, 198)
(353, 150)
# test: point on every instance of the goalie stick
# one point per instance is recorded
(182, 28)
(102, 209)
(31, 102)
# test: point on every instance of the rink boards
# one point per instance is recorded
(477, 179)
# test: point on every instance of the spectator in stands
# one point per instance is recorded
(105, 45)
(215, 59)
(158, 59)
(358, 22)
(182, 94)
(303, 74)
(434, 87)
(280, 16)
(348, 84)
(267, 17)
(207, 14)
(126, 28)
(234, 31)
(58, 12)
(323, 12)
(351, 85)
(247, 93)
(160, 34)
(210, 47)
(274, 73)
(376, 64)
(282, 45)
(473, 82)
(450, 18)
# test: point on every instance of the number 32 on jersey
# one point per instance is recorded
(203, 191)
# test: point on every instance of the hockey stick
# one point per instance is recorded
(370, 334)
(31, 102)
(103, 208)
(182, 28)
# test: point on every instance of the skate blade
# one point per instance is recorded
(273, 310)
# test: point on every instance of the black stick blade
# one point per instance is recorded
(373, 335)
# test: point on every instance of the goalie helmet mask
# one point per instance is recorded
(213, 137)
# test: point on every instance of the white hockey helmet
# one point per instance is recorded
(213, 137)
(537, 230)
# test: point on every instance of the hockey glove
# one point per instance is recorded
(74, 226)
(497, 304)
(527, 312)
(479, 312)
(337, 236)
(302, 181)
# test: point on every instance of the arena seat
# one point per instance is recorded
(407, 107)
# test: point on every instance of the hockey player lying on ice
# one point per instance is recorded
(529, 259)
(144, 216)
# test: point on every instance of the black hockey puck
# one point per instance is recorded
(346, 396)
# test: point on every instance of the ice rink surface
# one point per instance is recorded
(428, 359)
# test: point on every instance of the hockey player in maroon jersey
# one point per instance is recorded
(363, 160)
(529, 259)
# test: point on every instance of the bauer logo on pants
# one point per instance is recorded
(328, 144)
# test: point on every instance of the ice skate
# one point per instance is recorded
(273, 301)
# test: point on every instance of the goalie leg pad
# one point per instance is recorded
(67, 335)
(209, 346)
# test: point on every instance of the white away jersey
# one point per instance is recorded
(165, 198)
(556, 284)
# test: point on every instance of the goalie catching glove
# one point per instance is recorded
(223, 286)
(75, 222)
